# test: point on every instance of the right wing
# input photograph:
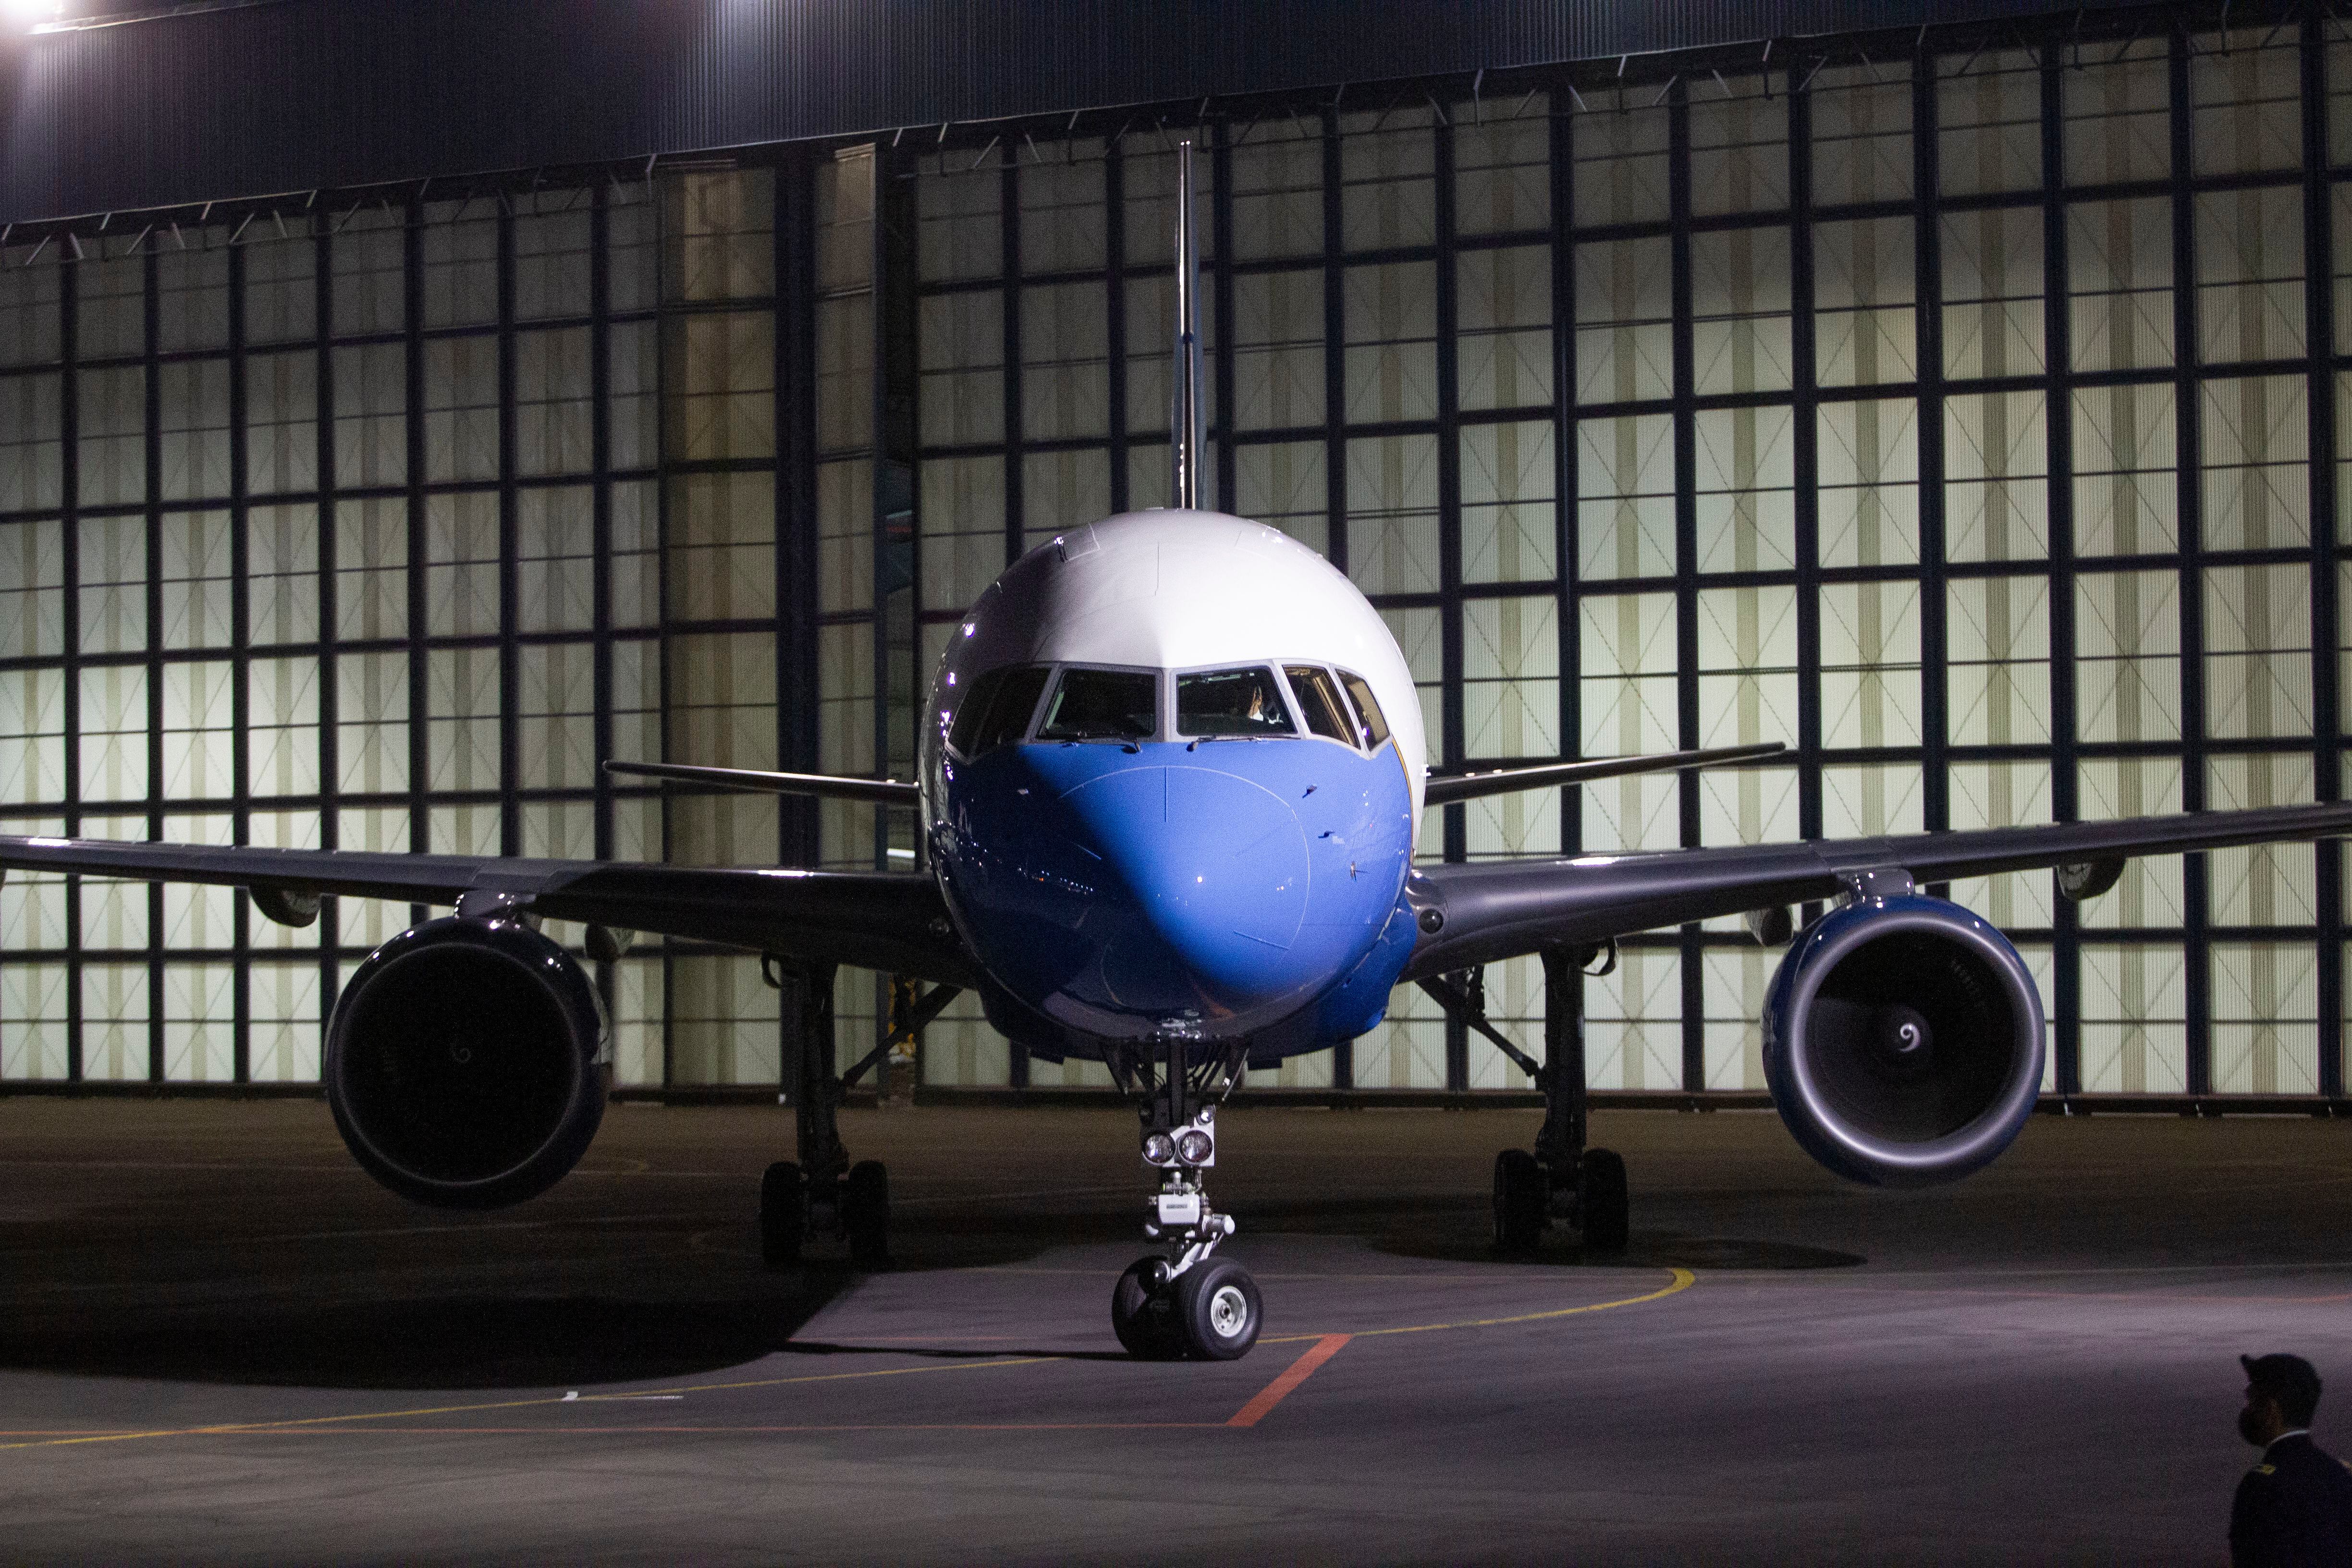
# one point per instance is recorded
(888, 920)
(878, 791)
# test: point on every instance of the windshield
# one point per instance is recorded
(1103, 705)
(996, 711)
(1231, 702)
(1318, 702)
(1375, 726)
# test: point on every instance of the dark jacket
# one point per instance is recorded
(2295, 1508)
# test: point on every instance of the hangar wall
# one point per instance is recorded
(1838, 405)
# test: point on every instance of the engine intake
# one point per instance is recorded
(1903, 1041)
(465, 1063)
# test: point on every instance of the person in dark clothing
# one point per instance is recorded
(2295, 1507)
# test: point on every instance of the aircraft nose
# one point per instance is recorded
(1214, 870)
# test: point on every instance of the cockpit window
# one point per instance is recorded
(1320, 703)
(996, 710)
(1375, 727)
(1231, 702)
(1103, 705)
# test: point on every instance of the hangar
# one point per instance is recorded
(405, 409)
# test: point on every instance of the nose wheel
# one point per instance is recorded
(1183, 1303)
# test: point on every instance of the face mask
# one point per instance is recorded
(2248, 1427)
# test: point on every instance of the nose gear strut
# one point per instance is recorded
(1184, 1302)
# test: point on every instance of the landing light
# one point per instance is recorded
(1194, 1146)
(1160, 1149)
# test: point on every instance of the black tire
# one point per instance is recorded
(1143, 1313)
(783, 1214)
(1604, 1203)
(1219, 1310)
(1522, 1196)
(866, 1214)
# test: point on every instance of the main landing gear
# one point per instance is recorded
(822, 1194)
(1560, 1180)
(1184, 1302)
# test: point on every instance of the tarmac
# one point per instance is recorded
(220, 1342)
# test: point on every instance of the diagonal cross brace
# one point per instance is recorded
(904, 1026)
(1458, 1006)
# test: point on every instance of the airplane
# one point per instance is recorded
(1172, 776)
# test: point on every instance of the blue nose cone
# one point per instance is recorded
(1211, 870)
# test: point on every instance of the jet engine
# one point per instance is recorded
(466, 1063)
(1903, 1041)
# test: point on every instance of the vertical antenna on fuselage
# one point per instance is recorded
(1186, 418)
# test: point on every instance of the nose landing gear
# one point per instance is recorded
(1184, 1303)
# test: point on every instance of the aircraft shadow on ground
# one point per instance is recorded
(452, 1343)
(1644, 1249)
(1458, 1230)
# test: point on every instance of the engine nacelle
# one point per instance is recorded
(1903, 1041)
(465, 1063)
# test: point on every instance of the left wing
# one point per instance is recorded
(1442, 788)
(1485, 911)
(891, 921)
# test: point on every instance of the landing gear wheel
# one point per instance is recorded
(866, 1214)
(1143, 1313)
(1219, 1310)
(1521, 1195)
(783, 1214)
(1602, 1201)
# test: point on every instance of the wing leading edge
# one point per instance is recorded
(1485, 911)
(895, 922)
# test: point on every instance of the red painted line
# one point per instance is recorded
(1296, 1373)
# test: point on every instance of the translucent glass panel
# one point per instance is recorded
(31, 449)
(1740, 309)
(1996, 461)
(1388, 190)
(1865, 283)
(281, 293)
(1620, 175)
(1625, 502)
(1992, 289)
(1502, 162)
(1989, 118)
(552, 239)
(31, 318)
(1739, 147)
(461, 245)
(1625, 315)
(2245, 102)
(2256, 473)
(2117, 109)
(2119, 257)
(722, 228)
(1861, 135)
(1503, 314)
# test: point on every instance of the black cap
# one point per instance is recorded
(2291, 1378)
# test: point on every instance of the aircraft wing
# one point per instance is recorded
(897, 922)
(1442, 789)
(1484, 911)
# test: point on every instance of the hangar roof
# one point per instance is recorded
(218, 101)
